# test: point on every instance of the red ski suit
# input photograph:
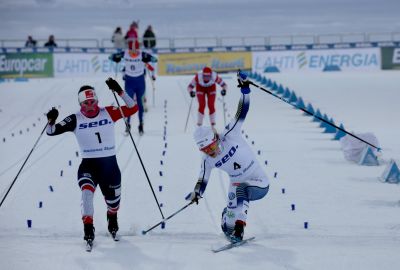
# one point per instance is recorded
(206, 89)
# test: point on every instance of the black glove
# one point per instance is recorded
(223, 92)
(242, 79)
(192, 94)
(52, 116)
(113, 85)
(243, 84)
(153, 77)
(115, 58)
(193, 196)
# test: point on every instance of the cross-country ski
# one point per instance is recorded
(232, 245)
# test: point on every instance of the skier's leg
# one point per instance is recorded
(110, 185)
(211, 106)
(239, 196)
(129, 88)
(202, 105)
(233, 211)
(88, 186)
(139, 96)
(257, 186)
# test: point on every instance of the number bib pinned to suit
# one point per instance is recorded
(95, 136)
(134, 66)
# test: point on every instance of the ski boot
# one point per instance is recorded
(89, 236)
(238, 231)
(89, 232)
(113, 224)
(141, 129)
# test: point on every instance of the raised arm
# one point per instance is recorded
(130, 108)
(244, 104)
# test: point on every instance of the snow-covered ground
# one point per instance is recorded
(353, 218)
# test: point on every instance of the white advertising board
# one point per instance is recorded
(317, 60)
(83, 64)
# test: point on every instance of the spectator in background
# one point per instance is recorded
(30, 43)
(50, 43)
(118, 39)
(149, 38)
(132, 35)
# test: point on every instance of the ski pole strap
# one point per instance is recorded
(319, 118)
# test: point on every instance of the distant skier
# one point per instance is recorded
(94, 130)
(136, 63)
(230, 152)
(205, 83)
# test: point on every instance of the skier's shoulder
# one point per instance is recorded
(68, 119)
(110, 110)
(69, 123)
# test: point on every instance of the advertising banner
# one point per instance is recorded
(390, 58)
(28, 65)
(190, 63)
(83, 64)
(317, 60)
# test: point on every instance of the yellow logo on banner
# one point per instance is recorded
(190, 63)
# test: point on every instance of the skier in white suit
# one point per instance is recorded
(230, 152)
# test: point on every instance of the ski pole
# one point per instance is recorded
(154, 89)
(15, 179)
(223, 106)
(190, 108)
(307, 112)
(165, 219)
(137, 152)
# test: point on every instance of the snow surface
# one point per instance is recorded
(353, 218)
